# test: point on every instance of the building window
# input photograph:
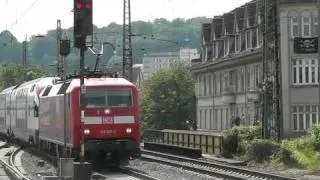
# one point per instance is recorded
(205, 120)
(201, 85)
(304, 71)
(238, 43)
(221, 83)
(315, 23)
(243, 76)
(217, 84)
(197, 87)
(205, 85)
(216, 119)
(249, 39)
(306, 23)
(254, 38)
(259, 37)
(214, 85)
(226, 47)
(304, 116)
(248, 78)
(243, 41)
(210, 85)
(200, 118)
(214, 50)
(257, 75)
(220, 48)
(232, 44)
(211, 117)
(294, 26)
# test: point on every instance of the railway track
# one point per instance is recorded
(96, 175)
(9, 165)
(132, 173)
(216, 170)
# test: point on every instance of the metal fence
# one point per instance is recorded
(208, 142)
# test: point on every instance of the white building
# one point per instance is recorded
(230, 71)
(155, 61)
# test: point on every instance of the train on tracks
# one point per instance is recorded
(33, 112)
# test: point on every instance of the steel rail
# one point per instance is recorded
(12, 168)
(125, 170)
(221, 170)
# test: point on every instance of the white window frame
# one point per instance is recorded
(307, 111)
(306, 67)
(306, 16)
(259, 38)
(315, 25)
(293, 24)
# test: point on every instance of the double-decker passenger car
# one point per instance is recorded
(18, 106)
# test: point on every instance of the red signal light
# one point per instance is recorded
(79, 5)
(88, 5)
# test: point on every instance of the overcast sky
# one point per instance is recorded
(29, 17)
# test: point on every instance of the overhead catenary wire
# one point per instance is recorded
(24, 13)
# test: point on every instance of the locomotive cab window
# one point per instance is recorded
(108, 98)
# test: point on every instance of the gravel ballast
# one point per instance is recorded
(165, 172)
(30, 165)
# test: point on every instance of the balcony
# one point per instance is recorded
(229, 96)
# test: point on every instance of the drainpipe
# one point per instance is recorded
(246, 95)
(318, 5)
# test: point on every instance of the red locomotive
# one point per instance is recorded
(111, 124)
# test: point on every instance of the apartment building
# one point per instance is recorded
(229, 75)
(155, 61)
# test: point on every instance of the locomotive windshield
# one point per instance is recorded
(108, 98)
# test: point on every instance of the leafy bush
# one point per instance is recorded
(261, 149)
(235, 139)
(314, 134)
(300, 152)
(230, 144)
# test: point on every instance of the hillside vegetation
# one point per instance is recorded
(159, 35)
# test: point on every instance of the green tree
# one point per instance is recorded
(13, 74)
(168, 101)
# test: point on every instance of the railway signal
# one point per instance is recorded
(82, 21)
(82, 28)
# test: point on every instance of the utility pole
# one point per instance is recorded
(59, 58)
(64, 50)
(318, 4)
(24, 53)
(272, 123)
(127, 44)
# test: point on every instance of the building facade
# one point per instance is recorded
(229, 76)
(155, 61)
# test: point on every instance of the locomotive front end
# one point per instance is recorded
(111, 124)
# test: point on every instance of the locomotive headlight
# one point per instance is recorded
(86, 131)
(128, 130)
(107, 111)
